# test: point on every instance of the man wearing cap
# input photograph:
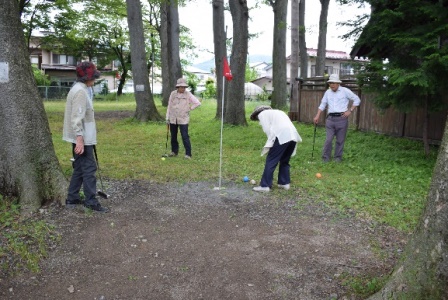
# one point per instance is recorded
(180, 103)
(280, 146)
(80, 130)
(336, 99)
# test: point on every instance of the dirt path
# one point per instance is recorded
(191, 242)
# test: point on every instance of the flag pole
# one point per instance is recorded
(222, 125)
(227, 74)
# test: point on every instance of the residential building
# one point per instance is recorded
(336, 62)
(61, 68)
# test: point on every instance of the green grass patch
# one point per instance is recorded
(363, 286)
(382, 178)
(23, 243)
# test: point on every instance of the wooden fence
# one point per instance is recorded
(367, 117)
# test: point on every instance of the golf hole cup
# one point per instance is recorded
(245, 179)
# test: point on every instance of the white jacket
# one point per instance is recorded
(79, 118)
(276, 124)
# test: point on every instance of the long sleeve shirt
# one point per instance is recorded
(276, 124)
(79, 118)
(338, 101)
(179, 106)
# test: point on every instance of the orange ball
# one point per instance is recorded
(318, 175)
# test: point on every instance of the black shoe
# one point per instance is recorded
(97, 208)
(72, 203)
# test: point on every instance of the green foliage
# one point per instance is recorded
(407, 44)
(363, 286)
(23, 243)
(41, 78)
(251, 74)
(192, 81)
(210, 89)
(382, 179)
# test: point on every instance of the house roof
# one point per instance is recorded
(329, 54)
(192, 69)
(58, 67)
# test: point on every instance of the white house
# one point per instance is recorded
(336, 62)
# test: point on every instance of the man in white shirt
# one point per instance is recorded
(280, 146)
(336, 99)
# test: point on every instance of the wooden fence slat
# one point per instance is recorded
(368, 117)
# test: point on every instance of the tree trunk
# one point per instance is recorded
(169, 37)
(422, 273)
(146, 109)
(322, 41)
(174, 37)
(164, 53)
(234, 112)
(219, 38)
(29, 168)
(279, 80)
(294, 70)
(302, 42)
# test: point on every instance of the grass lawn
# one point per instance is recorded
(382, 178)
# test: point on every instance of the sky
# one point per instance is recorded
(198, 17)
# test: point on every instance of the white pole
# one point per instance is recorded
(220, 142)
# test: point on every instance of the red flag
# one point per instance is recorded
(226, 70)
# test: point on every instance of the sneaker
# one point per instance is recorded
(97, 207)
(172, 154)
(284, 186)
(261, 189)
(187, 157)
(72, 203)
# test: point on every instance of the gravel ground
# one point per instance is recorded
(189, 241)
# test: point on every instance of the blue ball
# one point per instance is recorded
(246, 179)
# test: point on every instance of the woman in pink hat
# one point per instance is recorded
(178, 116)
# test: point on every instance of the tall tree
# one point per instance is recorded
(146, 109)
(322, 40)
(279, 95)
(234, 111)
(294, 70)
(412, 36)
(169, 37)
(29, 168)
(302, 42)
(35, 15)
(219, 38)
(422, 272)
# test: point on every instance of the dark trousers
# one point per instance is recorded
(335, 127)
(84, 168)
(185, 138)
(278, 154)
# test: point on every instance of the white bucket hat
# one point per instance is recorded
(334, 78)
(181, 82)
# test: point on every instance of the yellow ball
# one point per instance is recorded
(163, 158)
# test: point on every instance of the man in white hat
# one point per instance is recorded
(336, 99)
(178, 116)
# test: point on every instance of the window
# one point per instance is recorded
(34, 59)
(327, 71)
(62, 59)
(346, 69)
